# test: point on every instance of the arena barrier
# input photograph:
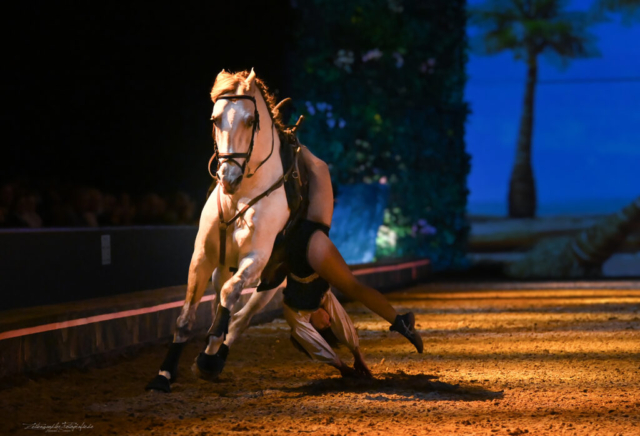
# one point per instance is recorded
(35, 339)
(52, 266)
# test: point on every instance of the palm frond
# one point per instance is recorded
(535, 26)
(629, 9)
(567, 37)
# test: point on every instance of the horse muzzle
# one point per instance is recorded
(230, 186)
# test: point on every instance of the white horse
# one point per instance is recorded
(239, 222)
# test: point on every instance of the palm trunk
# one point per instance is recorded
(522, 189)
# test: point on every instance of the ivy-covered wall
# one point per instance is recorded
(381, 85)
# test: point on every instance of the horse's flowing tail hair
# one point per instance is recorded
(228, 82)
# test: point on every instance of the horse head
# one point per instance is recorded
(242, 147)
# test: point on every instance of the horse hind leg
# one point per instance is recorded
(241, 320)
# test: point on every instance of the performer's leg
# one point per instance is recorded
(309, 338)
(327, 261)
(312, 343)
(342, 327)
(341, 323)
(306, 337)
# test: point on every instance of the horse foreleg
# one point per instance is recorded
(199, 273)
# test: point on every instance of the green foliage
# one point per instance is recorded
(530, 28)
(381, 86)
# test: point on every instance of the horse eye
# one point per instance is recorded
(250, 122)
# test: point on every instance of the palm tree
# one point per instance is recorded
(530, 28)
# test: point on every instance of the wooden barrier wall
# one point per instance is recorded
(51, 266)
(38, 338)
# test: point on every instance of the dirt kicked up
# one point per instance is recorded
(504, 362)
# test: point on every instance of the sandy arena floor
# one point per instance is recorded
(537, 362)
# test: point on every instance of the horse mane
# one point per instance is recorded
(228, 82)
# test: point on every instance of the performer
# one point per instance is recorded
(314, 262)
(325, 259)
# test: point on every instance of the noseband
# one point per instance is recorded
(231, 157)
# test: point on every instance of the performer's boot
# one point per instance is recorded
(406, 326)
(170, 365)
(209, 366)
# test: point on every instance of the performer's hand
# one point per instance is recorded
(360, 366)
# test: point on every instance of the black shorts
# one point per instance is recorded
(305, 288)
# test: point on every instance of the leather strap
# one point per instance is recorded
(249, 173)
(222, 231)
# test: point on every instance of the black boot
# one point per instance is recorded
(406, 326)
(170, 365)
(208, 367)
(159, 383)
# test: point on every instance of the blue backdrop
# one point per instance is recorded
(586, 141)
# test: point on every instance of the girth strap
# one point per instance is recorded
(224, 225)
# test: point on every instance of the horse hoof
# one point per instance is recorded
(159, 383)
(208, 367)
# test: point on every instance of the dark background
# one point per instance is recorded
(108, 93)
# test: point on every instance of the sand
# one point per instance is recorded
(540, 362)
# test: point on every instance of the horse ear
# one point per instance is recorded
(248, 82)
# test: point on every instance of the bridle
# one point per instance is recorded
(231, 157)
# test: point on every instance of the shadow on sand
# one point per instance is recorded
(409, 387)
